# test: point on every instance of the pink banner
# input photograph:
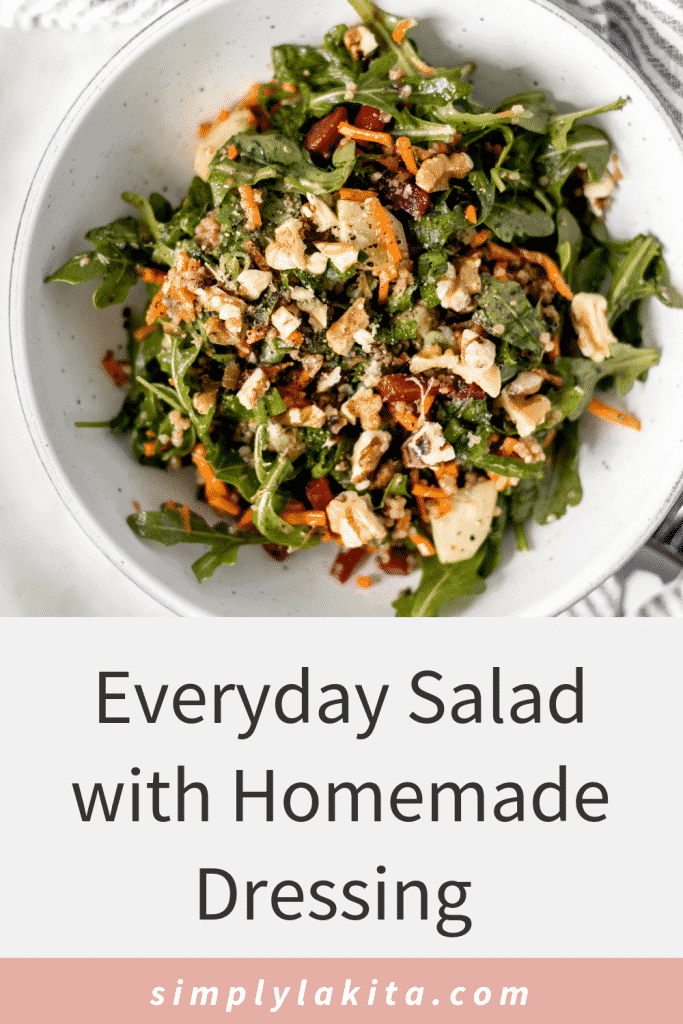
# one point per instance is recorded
(112, 991)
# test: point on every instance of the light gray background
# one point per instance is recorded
(125, 889)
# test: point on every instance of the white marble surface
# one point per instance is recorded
(47, 564)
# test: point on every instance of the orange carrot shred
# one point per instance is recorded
(363, 582)
(215, 491)
(250, 207)
(471, 214)
(508, 445)
(113, 368)
(170, 504)
(204, 129)
(552, 270)
(185, 513)
(384, 228)
(356, 195)
(424, 546)
(247, 518)
(232, 151)
(606, 412)
(427, 491)
(144, 332)
(421, 66)
(305, 518)
(364, 134)
(406, 150)
(480, 238)
(151, 276)
(401, 29)
(149, 447)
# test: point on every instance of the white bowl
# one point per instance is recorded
(134, 128)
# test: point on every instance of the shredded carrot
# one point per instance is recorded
(502, 482)
(149, 447)
(114, 369)
(552, 434)
(424, 546)
(401, 29)
(446, 469)
(471, 213)
(407, 155)
(204, 129)
(427, 403)
(252, 97)
(151, 276)
(404, 522)
(419, 500)
(247, 518)
(185, 513)
(232, 151)
(144, 332)
(356, 195)
(555, 350)
(250, 207)
(443, 507)
(552, 270)
(256, 255)
(384, 228)
(305, 518)
(137, 506)
(156, 309)
(363, 582)
(295, 338)
(508, 445)
(364, 134)
(606, 412)
(170, 504)
(222, 116)
(215, 491)
(427, 491)
(480, 238)
(403, 415)
(499, 252)
(421, 66)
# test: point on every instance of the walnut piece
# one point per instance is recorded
(367, 452)
(340, 335)
(427, 447)
(360, 41)
(589, 316)
(287, 252)
(253, 389)
(526, 409)
(252, 283)
(365, 404)
(457, 286)
(435, 173)
(598, 193)
(350, 515)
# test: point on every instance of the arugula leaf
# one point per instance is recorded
(518, 218)
(168, 527)
(504, 302)
(84, 266)
(162, 252)
(537, 107)
(442, 582)
(229, 467)
(625, 365)
(569, 239)
(505, 466)
(560, 125)
(638, 270)
(268, 503)
(164, 392)
(585, 145)
(270, 155)
(115, 285)
(436, 227)
(560, 486)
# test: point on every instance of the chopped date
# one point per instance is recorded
(397, 562)
(347, 562)
(324, 133)
(462, 391)
(319, 494)
(371, 119)
(399, 387)
(277, 551)
(405, 195)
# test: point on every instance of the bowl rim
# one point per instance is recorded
(144, 38)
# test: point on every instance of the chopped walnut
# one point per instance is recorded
(340, 335)
(231, 374)
(284, 441)
(203, 401)
(180, 425)
(329, 379)
(394, 507)
(366, 405)
(207, 234)
(342, 254)
(287, 252)
(598, 193)
(350, 515)
(529, 450)
(319, 212)
(309, 416)
(435, 173)
(252, 283)
(471, 364)
(427, 447)
(308, 303)
(229, 309)
(589, 316)
(360, 41)
(367, 452)
(457, 286)
(385, 473)
(526, 409)
(285, 322)
(253, 389)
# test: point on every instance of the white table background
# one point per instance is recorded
(47, 564)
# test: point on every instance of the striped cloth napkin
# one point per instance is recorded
(649, 36)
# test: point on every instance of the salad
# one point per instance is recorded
(378, 316)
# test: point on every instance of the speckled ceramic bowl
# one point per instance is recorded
(134, 128)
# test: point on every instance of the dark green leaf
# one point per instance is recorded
(441, 583)
(518, 218)
(560, 486)
(504, 302)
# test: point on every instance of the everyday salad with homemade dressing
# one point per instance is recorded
(378, 316)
